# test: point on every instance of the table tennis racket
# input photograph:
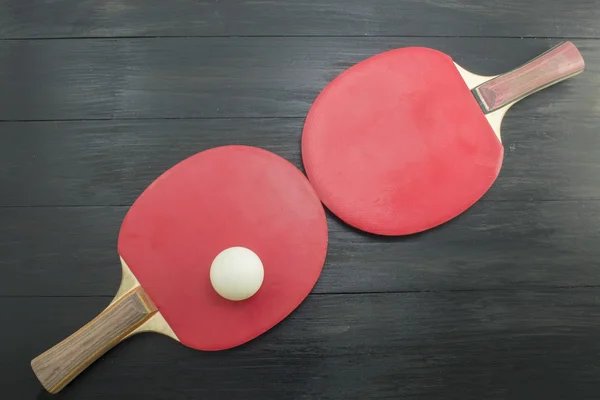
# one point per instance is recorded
(407, 139)
(226, 198)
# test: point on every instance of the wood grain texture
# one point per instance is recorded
(488, 308)
(58, 366)
(557, 64)
(85, 18)
(233, 77)
(494, 245)
(510, 344)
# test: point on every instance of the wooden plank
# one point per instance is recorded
(457, 345)
(70, 246)
(71, 251)
(88, 18)
(548, 157)
(112, 162)
(238, 77)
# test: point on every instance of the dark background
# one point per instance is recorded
(97, 98)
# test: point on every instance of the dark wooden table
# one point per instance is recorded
(99, 97)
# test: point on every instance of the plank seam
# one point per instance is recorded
(293, 36)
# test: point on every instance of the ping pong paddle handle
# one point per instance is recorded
(61, 364)
(557, 64)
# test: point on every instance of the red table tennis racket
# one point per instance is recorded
(225, 198)
(407, 140)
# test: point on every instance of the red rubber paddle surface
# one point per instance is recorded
(397, 144)
(220, 198)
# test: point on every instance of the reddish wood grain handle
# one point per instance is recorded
(559, 63)
(58, 366)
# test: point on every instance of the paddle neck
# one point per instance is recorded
(557, 64)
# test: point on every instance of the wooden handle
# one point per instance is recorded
(58, 366)
(557, 64)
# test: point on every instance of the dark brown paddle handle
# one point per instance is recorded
(58, 366)
(559, 63)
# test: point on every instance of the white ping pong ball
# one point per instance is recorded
(236, 273)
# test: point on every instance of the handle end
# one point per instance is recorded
(37, 368)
